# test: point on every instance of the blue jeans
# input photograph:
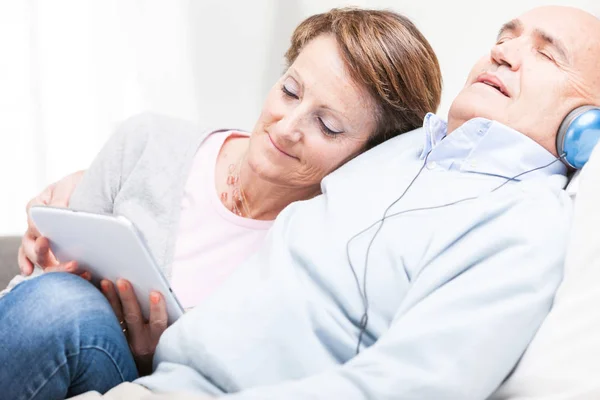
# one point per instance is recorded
(58, 338)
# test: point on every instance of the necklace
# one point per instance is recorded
(238, 197)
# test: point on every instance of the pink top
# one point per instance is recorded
(211, 241)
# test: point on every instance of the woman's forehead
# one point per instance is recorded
(321, 70)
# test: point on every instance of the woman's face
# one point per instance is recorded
(314, 119)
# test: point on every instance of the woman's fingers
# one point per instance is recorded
(42, 199)
(70, 267)
(108, 289)
(158, 317)
(86, 275)
(37, 251)
(43, 255)
(30, 236)
(156, 326)
(25, 266)
(29, 248)
(132, 315)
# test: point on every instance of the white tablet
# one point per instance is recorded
(109, 247)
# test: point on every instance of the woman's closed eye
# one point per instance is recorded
(326, 129)
(289, 92)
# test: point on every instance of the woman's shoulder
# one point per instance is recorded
(152, 135)
(150, 126)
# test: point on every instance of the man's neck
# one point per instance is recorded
(453, 124)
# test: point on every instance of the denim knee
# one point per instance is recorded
(54, 304)
(54, 329)
(55, 297)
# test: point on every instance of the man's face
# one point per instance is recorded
(543, 65)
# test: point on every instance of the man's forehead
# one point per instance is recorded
(576, 28)
(579, 33)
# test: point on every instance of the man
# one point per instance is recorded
(440, 299)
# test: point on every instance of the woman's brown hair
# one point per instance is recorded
(385, 53)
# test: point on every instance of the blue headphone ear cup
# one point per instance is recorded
(578, 135)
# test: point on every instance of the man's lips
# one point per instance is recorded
(493, 81)
(279, 148)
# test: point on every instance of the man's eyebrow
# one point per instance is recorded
(511, 26)
(552, 41)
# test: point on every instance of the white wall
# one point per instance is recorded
(70, 69)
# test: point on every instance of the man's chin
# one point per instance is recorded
(471, 104)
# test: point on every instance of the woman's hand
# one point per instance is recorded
(35, 249)
(142, 335)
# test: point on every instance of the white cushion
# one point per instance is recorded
(563, 360)
(573, 185)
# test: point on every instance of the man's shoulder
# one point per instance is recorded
(541, 210)
(387, 154)
(392, 148)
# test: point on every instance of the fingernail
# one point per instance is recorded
(104, 286)
(154, 298)
(122, 285)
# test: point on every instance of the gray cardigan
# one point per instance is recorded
(140, 174)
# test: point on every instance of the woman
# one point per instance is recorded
(355, 78)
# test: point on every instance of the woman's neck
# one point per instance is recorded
(264, 200)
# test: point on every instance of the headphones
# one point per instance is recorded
(577, 136)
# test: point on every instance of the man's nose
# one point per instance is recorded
(507, 54)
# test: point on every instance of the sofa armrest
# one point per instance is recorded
(9, 245)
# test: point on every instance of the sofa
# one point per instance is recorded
(9, 246)
(563, 359)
